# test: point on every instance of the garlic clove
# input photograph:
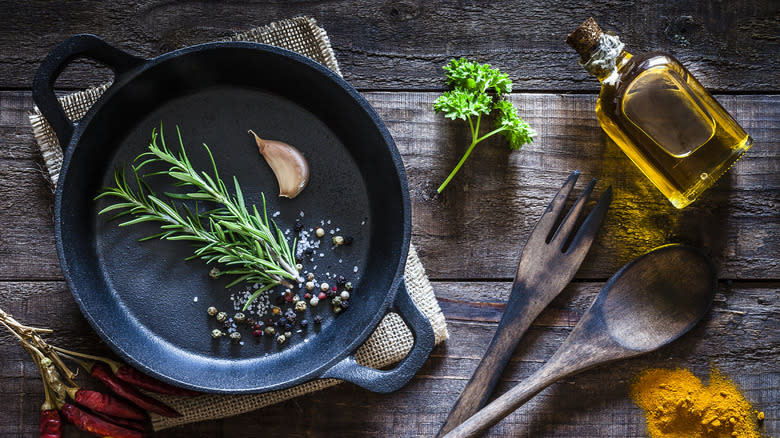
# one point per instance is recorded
(288, 164)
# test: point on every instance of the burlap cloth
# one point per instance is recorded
(391, 341)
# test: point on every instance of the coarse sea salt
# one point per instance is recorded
(277, 213)
(195, 299)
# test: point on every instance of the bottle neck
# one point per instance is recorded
(610, 76)
(607, 58)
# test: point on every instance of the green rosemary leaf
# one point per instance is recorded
(229, 234)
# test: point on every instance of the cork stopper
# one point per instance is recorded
(585, 39)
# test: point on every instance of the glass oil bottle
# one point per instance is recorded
(660, 116)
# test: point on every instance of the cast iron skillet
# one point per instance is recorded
(140, 296)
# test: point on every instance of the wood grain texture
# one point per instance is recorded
(735, 336)
(469, 238)
(476, 229)
(402, 44)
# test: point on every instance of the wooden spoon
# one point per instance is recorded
(648, 303)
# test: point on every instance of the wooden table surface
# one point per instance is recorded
(469, 239)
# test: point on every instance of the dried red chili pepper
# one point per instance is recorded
(91, 423)
(106, 404)
(129, 393)
(50, 425)
(145, 426)
(137, 378)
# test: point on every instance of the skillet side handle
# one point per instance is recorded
(76, 46)
(391, 380)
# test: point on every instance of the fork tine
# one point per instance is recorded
(568, 223)
(545, 224)
(590, 227)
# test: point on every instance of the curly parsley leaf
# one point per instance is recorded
(461, 104)
(479, 89)
(516, 130)
(480, 78)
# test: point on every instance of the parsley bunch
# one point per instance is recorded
(479, 90)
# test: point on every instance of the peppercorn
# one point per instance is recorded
(317, 319)
(214, 272)
(308, 251)
(348, 285)
(304, 323)
(282, 321)
(239, 317)
(309, 285)
(287, 328)
(250, 322)
(344, 295)
(332, 294)
(322, 295)
(344, 304)
(235, 337)
(221, 317)
(319, 232)
(288, 334)
(269, 321)
(258, 326)
(307, 296)
(341, 281)
(310, 276)
(279, 300)
(314, 301)
(299, 267)
(295, 299)
(216, 333)
(348, 240)
(300, 306)
(270, 330)
(324, 287)
(257, 333)
(338, 240)
(288, 295)
(298, 227)
(337, 309)
(275, 310)
(212, 311)
(292, 317)
(281, 339)
(336, 301)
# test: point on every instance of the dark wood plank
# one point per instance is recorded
(735, 336)
(402, 44)
(477, 228)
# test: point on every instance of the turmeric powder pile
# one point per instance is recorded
(677, 404)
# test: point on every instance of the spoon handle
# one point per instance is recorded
(507, 403)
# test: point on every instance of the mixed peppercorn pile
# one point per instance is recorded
(281, 314)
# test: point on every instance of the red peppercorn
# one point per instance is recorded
(335, 289)
(258, 326)
(257, 333)
(307, 296)
(322, 296)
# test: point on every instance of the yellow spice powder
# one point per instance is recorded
(677, 404)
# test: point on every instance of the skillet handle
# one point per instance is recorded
(76, 46)
(391, 380)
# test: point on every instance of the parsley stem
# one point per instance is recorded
(493, 132)
(457, 167)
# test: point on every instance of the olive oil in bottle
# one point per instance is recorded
(660, 116)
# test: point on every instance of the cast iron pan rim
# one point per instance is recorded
(119, 82)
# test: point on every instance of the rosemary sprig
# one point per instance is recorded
(251, 246)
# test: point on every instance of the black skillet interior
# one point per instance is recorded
(144, 299)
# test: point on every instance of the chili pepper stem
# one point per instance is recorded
(73, 355)
(8, 318)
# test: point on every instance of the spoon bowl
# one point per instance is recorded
(657, 297)
(647, 304)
